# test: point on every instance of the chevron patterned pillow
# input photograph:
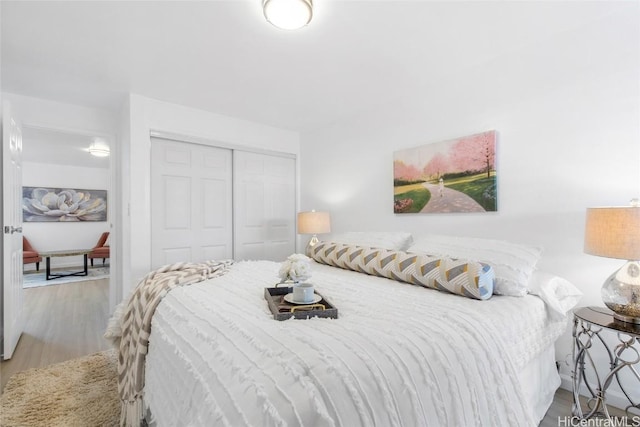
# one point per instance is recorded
(461, 277)
(513, 263)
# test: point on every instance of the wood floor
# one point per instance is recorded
(67, 321)
(62, 322)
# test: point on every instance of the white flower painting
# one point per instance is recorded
(63, 205)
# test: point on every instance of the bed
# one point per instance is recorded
(398, 355)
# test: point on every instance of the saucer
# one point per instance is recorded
(289, 298)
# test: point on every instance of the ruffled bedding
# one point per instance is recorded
(398, 355)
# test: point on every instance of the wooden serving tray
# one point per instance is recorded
(283, 310)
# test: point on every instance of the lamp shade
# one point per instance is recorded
(314, 222)
(613, 232)
(288, 14)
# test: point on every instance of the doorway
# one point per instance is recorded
(58, 167)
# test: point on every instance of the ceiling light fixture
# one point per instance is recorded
(288, 14)
(99, 149)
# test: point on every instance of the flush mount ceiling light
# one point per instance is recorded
(99, 149)
(288, 14)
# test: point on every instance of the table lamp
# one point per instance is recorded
(315, 223)
(614, 232)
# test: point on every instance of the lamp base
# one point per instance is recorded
(621, 293)
(314, 240)
(626, 319)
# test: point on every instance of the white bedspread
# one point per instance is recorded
(399, 355)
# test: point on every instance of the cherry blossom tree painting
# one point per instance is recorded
(450, 176)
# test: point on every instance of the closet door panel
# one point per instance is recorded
(264, 206)
(173, 255)
(191, 202)
(215, 214)
(177, 202)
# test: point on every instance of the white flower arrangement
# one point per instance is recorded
(297, 268)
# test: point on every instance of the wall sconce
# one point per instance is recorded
(614, 232)
(99, 149)
(288, 14)
(314, 223)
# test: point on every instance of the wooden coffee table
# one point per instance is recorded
(68, 252)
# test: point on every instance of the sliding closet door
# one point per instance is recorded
(191, 202)
(264, 206)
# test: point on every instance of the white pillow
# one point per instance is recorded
(394, 240)
(513, 263)
(559, 294)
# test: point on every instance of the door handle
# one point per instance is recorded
(10, 229)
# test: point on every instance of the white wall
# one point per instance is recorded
(44, 113)
(567, 112)
(147, 115)
(51, 236)
(120, 236)
(37, 112)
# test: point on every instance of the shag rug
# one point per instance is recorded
(32, 279)
(78, 392)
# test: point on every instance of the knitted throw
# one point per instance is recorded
(136, 327)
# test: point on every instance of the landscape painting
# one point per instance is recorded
(450, 176)
(40, 204)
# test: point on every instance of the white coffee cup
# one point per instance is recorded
(303, 292)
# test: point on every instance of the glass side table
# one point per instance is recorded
(588, 323)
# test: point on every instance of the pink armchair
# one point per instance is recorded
(101, 250)
(29, 254)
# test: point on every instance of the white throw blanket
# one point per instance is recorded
(135, 328)
(398, 355)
